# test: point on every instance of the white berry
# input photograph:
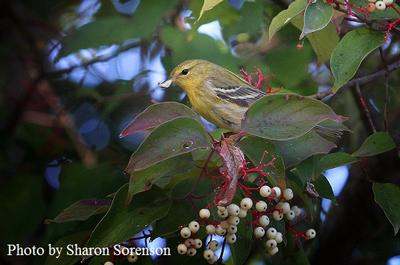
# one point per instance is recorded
(284, 206)
(231, 238)
(194, 226)
(279, 238)
(213, 245)
(204, 213)
(290, 215)
(225, 224)
(259, 232)
(263, 220)
(242, 213)
(198, 243)
(288, 194)
(132, 258)
(208, 254)
(223, 213)
(310, 233)
(380, 5)
(388, 2)
(232, 229)
(233, 209)
(277, 192)
(277, 215)
(185, 232)
(108, 263)
(296, 210)
(182, 249)
(246, 203)
(265, 191)
(220, 231)
(233, 220)
(271, 243)
(271, 233)
(261, 206)
(272, 251)
(191, 252)
(210, 229)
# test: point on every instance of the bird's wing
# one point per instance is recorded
(241, 95)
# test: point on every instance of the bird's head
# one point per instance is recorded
(188, 73)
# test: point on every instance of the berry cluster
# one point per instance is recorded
(274, 205)
(378, 5)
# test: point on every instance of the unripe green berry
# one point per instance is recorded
(220, 231)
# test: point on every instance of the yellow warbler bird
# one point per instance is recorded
(215, 93)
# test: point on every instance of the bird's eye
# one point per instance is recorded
(185, 71)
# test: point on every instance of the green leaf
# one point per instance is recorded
(387, 196)
(173, 138)
(157, 114)
(115, 28)
(351, 51)
(242, 248)
(143, 180)
(261, 151)
(82, 210)
(324, 188)
(124, 221)
(286, 116)
(207, 6)
(296, 150)
(317, 16)
(323, 41)
(284, 17)
(375, 144)
(336, 159)
(178, 215)
(79, 238)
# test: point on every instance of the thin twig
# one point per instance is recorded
(94, 60)
(385, 112)
(364, 107)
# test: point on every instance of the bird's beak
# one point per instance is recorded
(165, 84)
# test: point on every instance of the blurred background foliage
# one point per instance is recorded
(73, 73)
